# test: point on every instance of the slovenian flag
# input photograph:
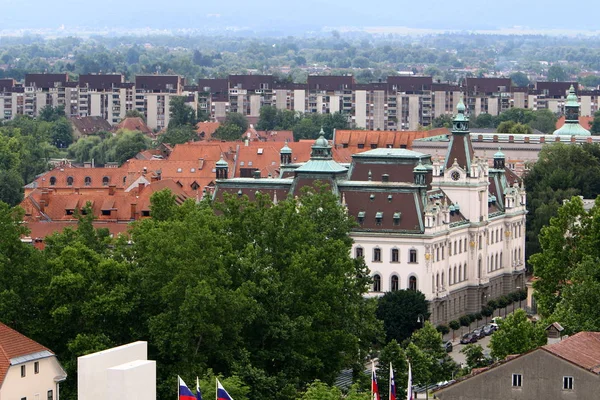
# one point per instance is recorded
(198, 392)
(222, 393)
(184, 392)
(392, 384)
(374, 387)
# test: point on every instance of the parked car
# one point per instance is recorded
(448, 346)
(478, 333)
(489, 329)
(468, 338)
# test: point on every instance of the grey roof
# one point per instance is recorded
(390, 153)
(322, 166)
(30, 357)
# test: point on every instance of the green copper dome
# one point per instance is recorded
(321, 141)
(285, 149)
(460, 111)
(499, 154)
(572, 126)
(222, 163)
(420, 168)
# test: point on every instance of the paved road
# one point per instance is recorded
(460, 357)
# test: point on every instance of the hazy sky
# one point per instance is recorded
(298, 16)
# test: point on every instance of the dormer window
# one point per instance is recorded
(87, 181)
(389, 198)
(361, 217)
(397, 216)
(378, 217)
(52, 180)
(372, 197)
(105, 180)
(69, 181)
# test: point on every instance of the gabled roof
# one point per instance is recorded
(13, 345)
(134, 124)
(206, 129)
(582, 349)
(90, 125)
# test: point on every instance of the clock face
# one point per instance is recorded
(455, 176)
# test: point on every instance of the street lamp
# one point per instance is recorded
(421, 319)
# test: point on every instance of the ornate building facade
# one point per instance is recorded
(452, 227)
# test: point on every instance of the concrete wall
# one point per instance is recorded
(92, 375)
(33, 386)
(131, 381)
(360, 110)
(542, 378)
(300, 101)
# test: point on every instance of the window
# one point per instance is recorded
(378, 218)
(455, 248)
(465, 245)
(87, 181)
(359, 252)
(412, 256)
(567, 383)
(105, 180)
(69, 181)
(23, 372)
(480, 243)
(50, 395)
(376, 283)
(361, 217)
(395, 255)
(396, 217)
(460, 246)
(376, 254)
(412, 283)
(395, 283)
(36, 367)
(465, 272)
(517, 380)
(361, 145)
(52, 180)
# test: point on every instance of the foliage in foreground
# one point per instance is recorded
(516, 335)
(265, 293)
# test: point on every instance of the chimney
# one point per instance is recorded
(256, 174)
(111, 189)
(385, 178)
(42, 205)
(200, 163)
(45, 197)
(133, 210)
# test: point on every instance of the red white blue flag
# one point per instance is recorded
(409, 392)
(374, 387)
(198, 392)
(222, 393)
(392, 384)
(184, 392)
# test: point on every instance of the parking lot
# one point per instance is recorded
(458, 356)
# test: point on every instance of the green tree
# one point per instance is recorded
(180, 113)
(179, 135)
(11, 187)
(595, 124)
(516, 335)
(562, 171)
(61, 133)
(268, 118)
(321, 391)
(454, 325)
(51, 114)
(543, 120)
(519, 79)
(474, 356)
(399, 311)
(228, 132)
(394, 354)
(442, 121)
(483, 120)
(237, 119)
(429, 341)
(135, 114)
(557, 74)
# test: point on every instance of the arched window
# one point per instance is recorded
(465, 272)
(479, 268)
(70, 182)
(395, 283)
(87, 181)
(501, 234)
(450, 281)
(465, 245)
(443, 280)
(497, 264)
(480, 242)
(437, 280)
(501, 261)
(519, 254)
(455, 247)
(376, 283)
(459, 273)
(460, 246)
(376, 254)
(105, 180)
(358, 252)
(52, 180)
(412, 283)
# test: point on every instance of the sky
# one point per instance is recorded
(293, 17)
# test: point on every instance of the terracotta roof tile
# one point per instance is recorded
(586, 122)
(381, 139)
(206, 129)
(582, 349)
(12, 345)
(134, 124)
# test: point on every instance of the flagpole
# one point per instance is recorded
(216, 388)
(390, 382)
(372, 372)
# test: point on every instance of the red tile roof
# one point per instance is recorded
(586, 122)
(206, 129)
(582, 349)
(90, 125)
(13, 344)
(134, 124)
(397, 139)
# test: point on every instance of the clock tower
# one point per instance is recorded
(460, 149)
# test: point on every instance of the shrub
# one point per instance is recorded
(443, 329)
